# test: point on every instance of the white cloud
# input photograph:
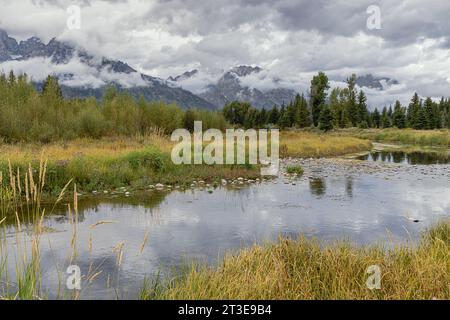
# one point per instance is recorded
(78, 73)
(291, 39)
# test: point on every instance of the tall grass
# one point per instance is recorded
(308, 269)
(20, 200)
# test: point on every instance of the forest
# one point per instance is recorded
(27, 115)
(343, 108)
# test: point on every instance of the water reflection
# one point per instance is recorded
(182, 226)
(317, 186)
(412, 158)
(349, 186)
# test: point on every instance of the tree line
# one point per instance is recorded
(28, 115)
(342, 108)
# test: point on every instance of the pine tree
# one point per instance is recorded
(413, 112)
(326, 118)
(352, 106)
(429, 114)
(422, 121)
(385, 119)
(303, 115)
(363, 117)
(291, 113)
(283, 120)
(399, 117)
(261, 118)
(319, 87)
(274, 116)
(376, 118)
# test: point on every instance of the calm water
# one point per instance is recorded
(412, 158)
(367, 205)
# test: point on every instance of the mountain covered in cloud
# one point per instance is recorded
(242, 83)
(82, 74)
(372, 82)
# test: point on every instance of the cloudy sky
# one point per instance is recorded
(290, 39)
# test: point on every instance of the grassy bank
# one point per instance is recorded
(102, 164)
(306, 144)
(305, 269)
(438, 138)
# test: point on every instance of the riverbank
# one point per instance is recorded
(430, 138)
(141, 161)
(123, 238)
(308, 269)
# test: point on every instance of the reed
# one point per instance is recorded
(308, 269)
(21, 201)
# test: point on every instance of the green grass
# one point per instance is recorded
(307, 269)
(294, 169)
(438, 138)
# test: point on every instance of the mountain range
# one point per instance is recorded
(61, 53)
(229, 87)
(82, 74)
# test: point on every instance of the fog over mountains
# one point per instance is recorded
(83, 74)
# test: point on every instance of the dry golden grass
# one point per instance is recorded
(308, 144)
(96, 148)
(305, 269)
(142, 160)
(294, 144)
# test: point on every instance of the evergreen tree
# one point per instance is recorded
(422, 121)
(385, 119)
(413, 112)
(236, 112)
(319, 87)
(283, 120)
(325, 119)
(291, 113)
(274, 116)
(303, 116)
(399, 117)
(363, 114)
(376, 118)
(352, 105)
(261, 118)
(429, 114)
